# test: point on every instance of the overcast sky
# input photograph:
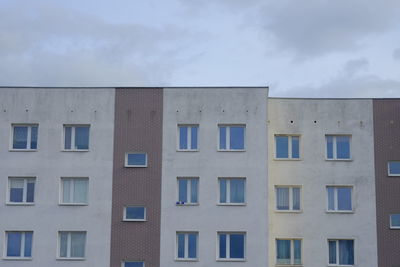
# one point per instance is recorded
(309, 48)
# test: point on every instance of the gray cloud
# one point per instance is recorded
(355, 66)
(396, 54)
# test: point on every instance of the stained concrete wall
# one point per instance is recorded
(313, 119)
(208, 108)
(51, 108)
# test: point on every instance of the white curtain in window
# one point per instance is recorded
(282, 198)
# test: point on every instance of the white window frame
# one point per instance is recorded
(228, 135)
(228, 258)
(28, 138)
(388, 168)
(334, 148)
(73, 149)
(135, 220)
(338, 251)
(71, 193)
(22, 245)
(188, 191)
(390, 218)
(128, 261)
(189, 138)
(69, 246)
(290, 151)
(291, 252)
(186, 249)
(228, 191)
(24, 193)
(135, 166)
(335, 204)
(290, 198)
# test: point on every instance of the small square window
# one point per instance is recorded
(21, 191)
(394, 168)
(395, 221)
(135, 159)
(288, 198)
(25, 136)
(188, 190)
(134, 213)
(341, 252)
(74, 191)
(288, 251)
(188, 137)
(76, 137)
(340, 198)
(19, 245)
(232, 191)
(231, 246)
(133, 264)
(287, 146)
(232, 137)
(338, 147)
(71, 245)
(186, 243)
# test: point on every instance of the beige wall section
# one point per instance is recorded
(314, 225)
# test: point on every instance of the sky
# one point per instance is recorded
(309, 48)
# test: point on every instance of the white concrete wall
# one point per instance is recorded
(314, 225)
(51, 108)
(208, 108)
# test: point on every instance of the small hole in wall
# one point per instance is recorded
(26, 110)
(200, 110)
(291, 121)
(223, 110)
(315, 121)
(177, 111)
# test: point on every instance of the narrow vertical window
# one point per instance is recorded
(76, 137)
(188, 191)
(186, 245)
(188, 137)
(19, 245)
(25, 137)
(231, 137)
(21, 190)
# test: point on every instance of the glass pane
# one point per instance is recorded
(222, 246)
(16, 190)
(78, 245)
(82, 137)
(20, 137)
(30, 191)
(343, 147)
(297, 251)
(192, 245)
(236, 137)
(295, 147)
(344, 198)
(222, 190)
(66, 186)
(296, 198)
(14, 244)
(194, 137)
(236, 246)
(194, 190)
(80, 190)
(282, 198)
(34, 137)
(183, 137)
(138, 159)
(237, 190)
(182, 183)
(134, 264)
(222, 137)
(329, 147)
(395, 220)
(181, 245)
(346, 252)
(394, 167)
(332, 252)
(63, 244)
(331, 198)
(135, 213)
(67, 137)
(282, 147)
(28, 244)
(282, 251)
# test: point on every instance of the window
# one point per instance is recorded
(231, 137)
(395, 221)
(394, 168)
(72, 245)
(133, 264)
(231, 246)
(25, 136)
(186, 244)
(188, 137)
(74, 191)
(76, 137)
(136, 159)
(287, 146)
(341, 252)
(134, 213)
(19, 245)
(338, 147)
(339, 198)
(287, 198)
(288, 251)
(21, 191)
(232, 190)
(188, 190)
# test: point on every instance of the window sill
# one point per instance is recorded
(288, 211)
(22, 150)
(288, 265)
(134, 220)
(231, 150)
(339, 265)
(340, 211)
(187, 204)
(19, 204)
(287, 159)
(73, 204)
(394, 227)
(187, 150)
(231, 204)
(338, 160)
(17, 259)
(135, 166)
(240, 260)
(187, 260)
(393, 175)
(75, 150)
(70, 259)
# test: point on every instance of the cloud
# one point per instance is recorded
(396, 54)
(355, 66)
